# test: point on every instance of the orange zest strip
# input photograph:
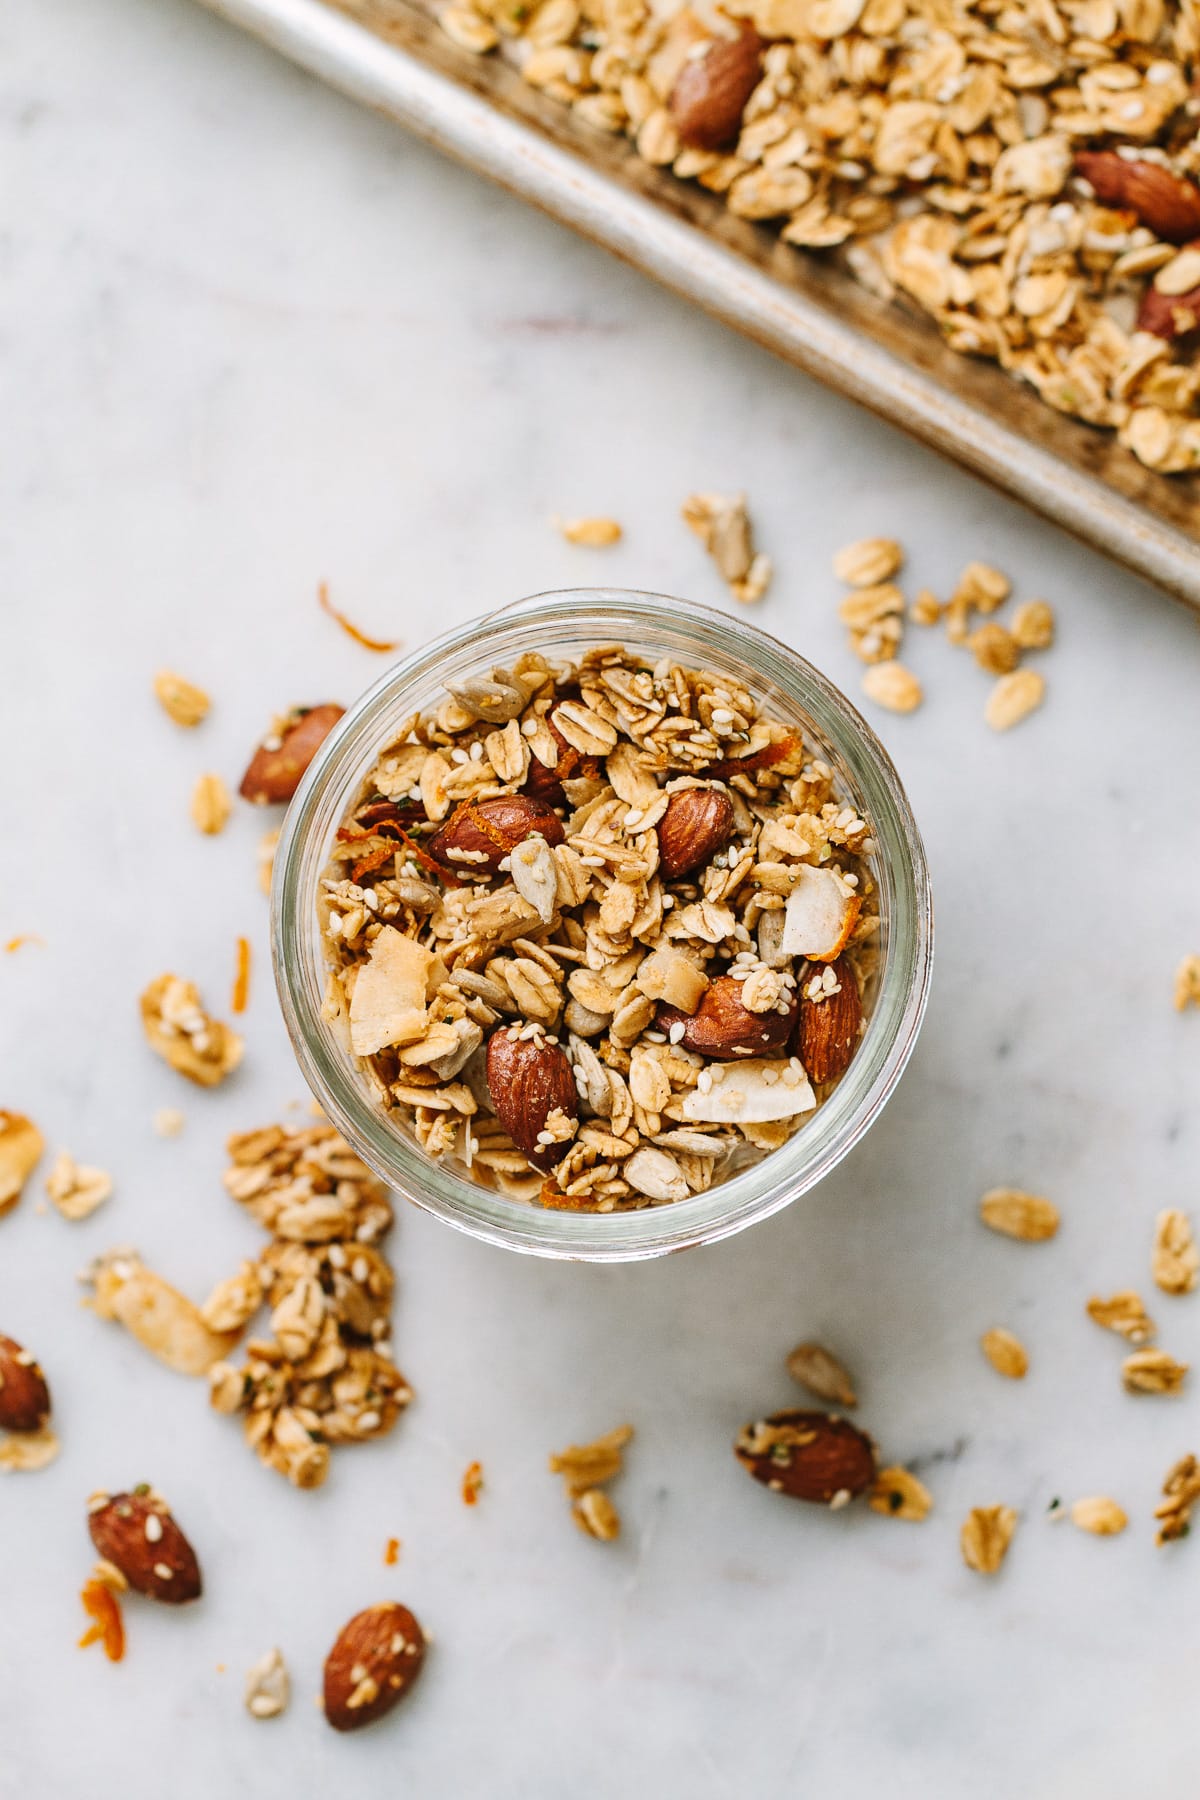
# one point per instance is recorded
(472, 1481)
(100, 1604)
(381, 645)
(391, 1552)
(241, 981)
(19, 942)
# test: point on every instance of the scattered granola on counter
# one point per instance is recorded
(722, 524)
(1153, 1372)
(1018, 1215)
(75, 1189)
(600, 934)
(178, 1028)
(268, 1688)
(1124, 1313)
(1026, 177)
(898, 1494)
(326, 1377)
(1099, 1515)
(163, 1320)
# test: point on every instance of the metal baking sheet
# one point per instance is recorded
(390, 55)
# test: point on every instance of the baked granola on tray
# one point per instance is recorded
(600, 933)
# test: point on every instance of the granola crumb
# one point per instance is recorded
(472, 1481)
(1125, 1314)
(268, 1688)
(1033, 625)
(585, 1469)
(1153, 1372)
(22, 940)
(985, 1537)
(211, 805)
(391, 1553)
(1015, 1214)
(1099, 1515)
(868, 562)
(592, 533)
(1181, 1490)
(1013, 698)
(102, 1606)
(926, 608)
(182, 1033)
(596, 1516)
(994, 648)
(187, 704)
(75, 1189)
(1006, 1353)
(21, 1147)
(722, 523)
(897, 1493)
(1187, 983)
(1175, 1259)
(818, 1370)
(169, 1121)
(892, 686)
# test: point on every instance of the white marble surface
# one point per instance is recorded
(253, 337)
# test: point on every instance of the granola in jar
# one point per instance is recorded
(600, 933)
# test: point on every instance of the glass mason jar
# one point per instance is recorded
(566, 624)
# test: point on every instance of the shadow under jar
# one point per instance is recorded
(562, 628)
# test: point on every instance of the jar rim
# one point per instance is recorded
(578, 618)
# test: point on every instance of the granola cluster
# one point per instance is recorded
(600, 933)
(1021, 170)
(326, 1375)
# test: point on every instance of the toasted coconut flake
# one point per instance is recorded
(162, 1319)
(821, 912)
(388, 1004)
(752, 1092)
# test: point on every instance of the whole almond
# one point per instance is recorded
(711, 91)
(827, 1030)
(1169, 204)
(479, 834)
(373, 1663)
(808, 1456)
(697, 823)
(1169, 315)
(722, 1028)
(528, 1079)
(138, 1535)
(24, 1396)
(277, 768)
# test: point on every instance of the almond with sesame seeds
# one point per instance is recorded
(374, 1661)
(281, 760)
(138, 1534)
(24, 1395)
(812, 1456)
